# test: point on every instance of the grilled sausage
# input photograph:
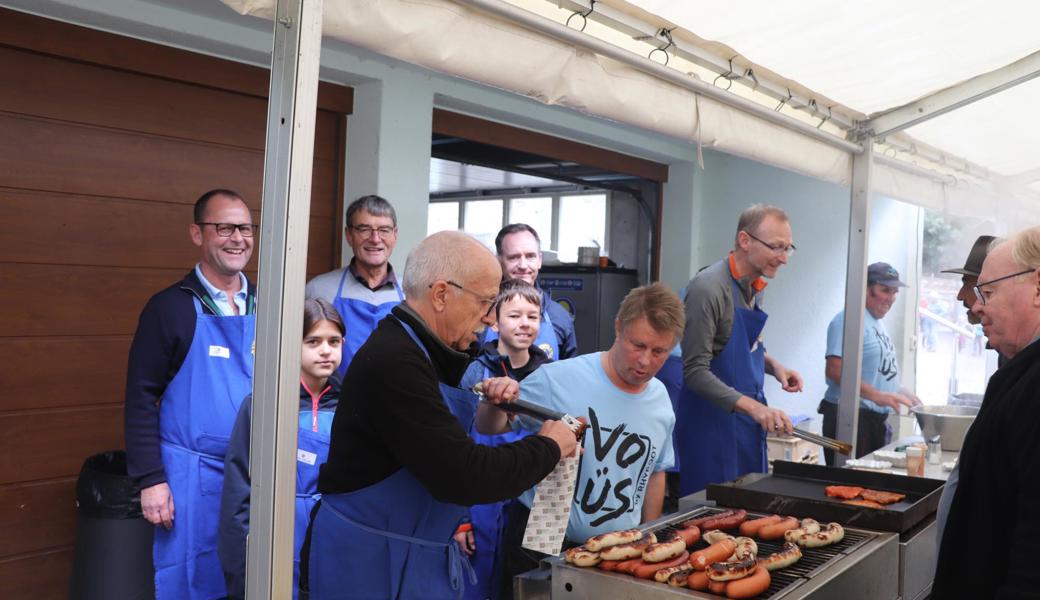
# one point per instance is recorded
(750, 528)
(805, 526)
(716, 535)
(746, 548)
(699, 521)
(719, 551)
(627, 566)
(717, 587)
(626, 551)
(609, 565)
(728, 571)
(776, 530)
(750, 586)
(831, 534)
(690, 535)
(662, 551)
(598, 543)
(581, 557)
(649, 570)
(697, 580)
(726, 522)
(787, 556)
(665, 574)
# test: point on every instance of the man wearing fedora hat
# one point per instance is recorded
(970, 274)
(879, 389)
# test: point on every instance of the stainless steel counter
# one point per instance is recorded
(931, 471)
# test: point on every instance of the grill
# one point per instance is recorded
(860, 566)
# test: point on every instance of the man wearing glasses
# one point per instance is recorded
(879, 388)
(366, 289)
(722, 416)
(190, 367)
(993, 524)
(401, 467)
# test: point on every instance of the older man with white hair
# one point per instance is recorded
(992, 534)
(401, 467)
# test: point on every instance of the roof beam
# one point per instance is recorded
(1025, 177)
(953, 97)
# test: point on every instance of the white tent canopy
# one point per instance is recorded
(857, 60)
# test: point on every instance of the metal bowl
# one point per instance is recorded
(948, 422)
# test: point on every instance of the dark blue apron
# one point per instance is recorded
(361, 319)
(671, 375)
(489, 524)
(546, 340)
(713, 445)
(196, 414)
(313, 450)
(389, 540)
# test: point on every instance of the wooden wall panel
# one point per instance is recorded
(54, 443)
(37, 516)
(106, 143)
(92, 371)
(43, 576)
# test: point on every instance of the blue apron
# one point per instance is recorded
(671, 375)
(713, 445)
(196, 414)
(360, 318)
(313, 451)
(391, 539)
(546, 340)
(489, 524)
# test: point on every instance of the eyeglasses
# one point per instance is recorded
(228, 229)
(982, 295)
(778, 250)
(366, 230)
(482, 299)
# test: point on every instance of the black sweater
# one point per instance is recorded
(992, 536)
(392, 416)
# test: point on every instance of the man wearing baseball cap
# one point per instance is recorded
(879, 391)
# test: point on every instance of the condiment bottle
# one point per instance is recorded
(914, 462)
(934, 451)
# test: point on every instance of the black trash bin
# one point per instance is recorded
(113, 555)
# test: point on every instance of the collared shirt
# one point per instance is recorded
(389, 279)
(220, 297)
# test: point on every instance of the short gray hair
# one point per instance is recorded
(441, 256)
(753, 216)
(1025, 248)
(377, 206)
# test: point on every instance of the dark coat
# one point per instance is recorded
(992, 537)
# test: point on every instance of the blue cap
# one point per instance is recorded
(884, 274)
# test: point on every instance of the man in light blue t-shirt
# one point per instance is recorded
(879, 388)
(628, 445)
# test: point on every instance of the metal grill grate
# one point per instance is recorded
(785, 580)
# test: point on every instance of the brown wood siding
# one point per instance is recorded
(107, 142)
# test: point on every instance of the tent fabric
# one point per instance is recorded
(441, 35)
(811, 42)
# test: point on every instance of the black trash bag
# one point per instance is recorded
(113, 552)
(104, 490)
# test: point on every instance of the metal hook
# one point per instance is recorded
(728, 76)
(825, 119)
(750, 74)
(584, 16)
(784, 101)
(667, 35)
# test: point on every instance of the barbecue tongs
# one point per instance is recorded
(831, 444)
(522, 407)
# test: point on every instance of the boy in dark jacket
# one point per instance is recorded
(518, 311)
(319, 395)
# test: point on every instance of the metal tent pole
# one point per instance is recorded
(285, 214)
(855, 297)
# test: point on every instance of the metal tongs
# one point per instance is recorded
(832, 444)
(529, 409)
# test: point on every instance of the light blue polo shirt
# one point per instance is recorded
(220, 297)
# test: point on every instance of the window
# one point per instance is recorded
(442, 216)
(583, 222)
(483, 219)
(536, 212)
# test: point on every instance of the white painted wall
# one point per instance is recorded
(810, 289)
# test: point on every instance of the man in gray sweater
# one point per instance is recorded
(722, 416)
